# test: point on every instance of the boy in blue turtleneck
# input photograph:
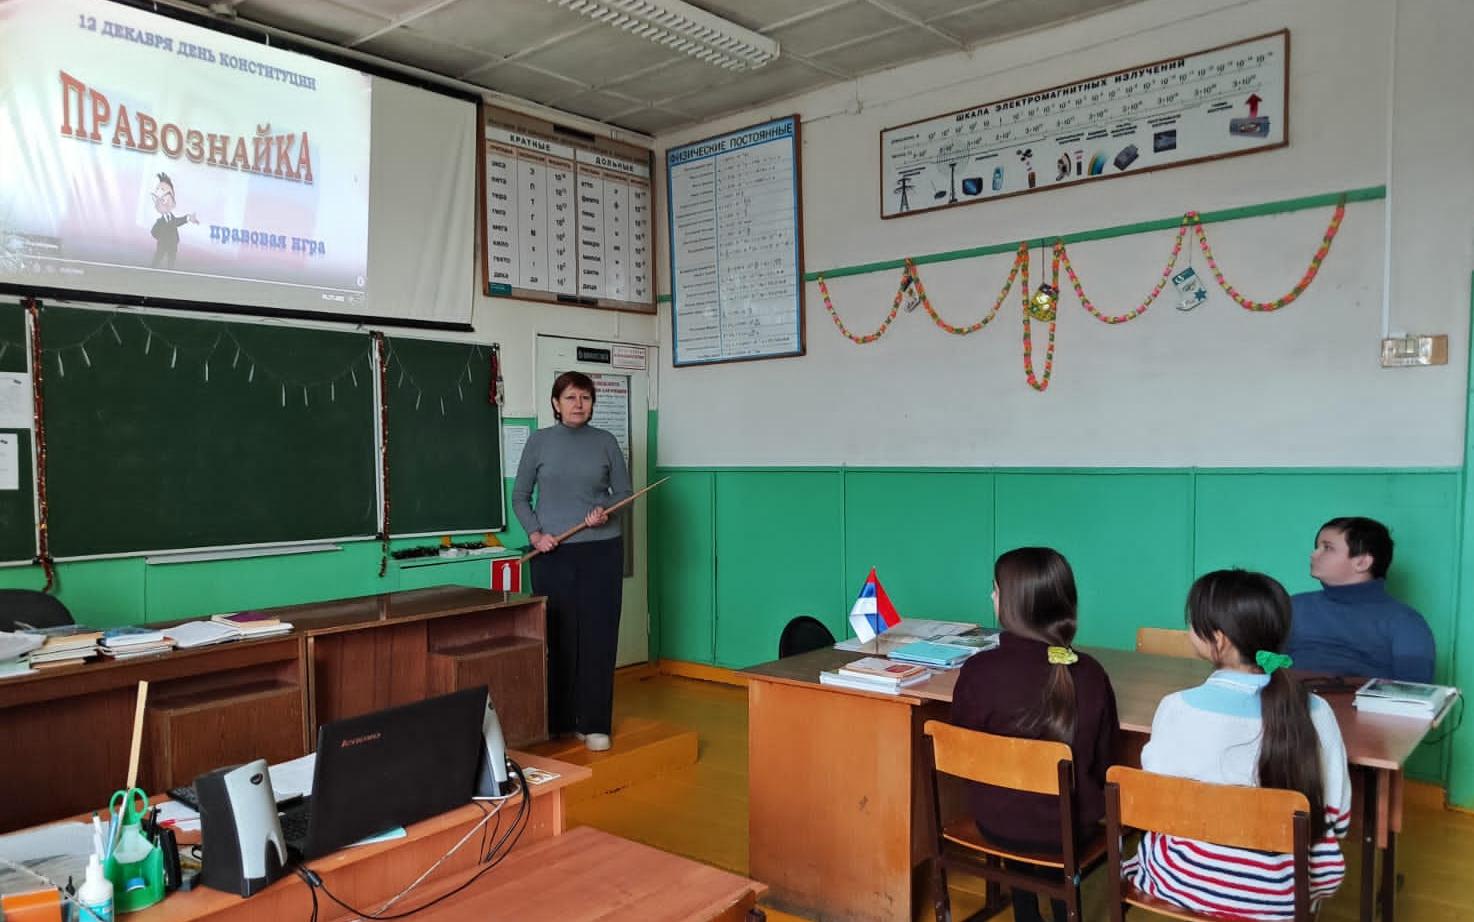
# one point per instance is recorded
(1352, 626)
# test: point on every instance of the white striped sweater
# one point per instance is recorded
(1211, 733)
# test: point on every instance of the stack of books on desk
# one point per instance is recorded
(252, 624)
(65, 646)
(876, 674)
(129, 642)
(1406, 699)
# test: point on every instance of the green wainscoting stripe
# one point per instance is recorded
(1283, 206)
(745, 549)
(1263, 209)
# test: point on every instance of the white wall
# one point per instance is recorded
(1219, 386)
(516, 325)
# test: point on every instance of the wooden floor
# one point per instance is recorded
(701, 812)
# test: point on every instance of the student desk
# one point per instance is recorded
(68, 729)
(368, 875)
(591, 876)
(839, 803)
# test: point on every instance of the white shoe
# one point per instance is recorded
(596, 742)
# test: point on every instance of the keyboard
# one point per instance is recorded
(186, 795)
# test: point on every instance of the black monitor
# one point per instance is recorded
(392, 768)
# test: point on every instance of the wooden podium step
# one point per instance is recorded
(643, 749)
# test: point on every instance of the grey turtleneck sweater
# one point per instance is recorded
(574, 470)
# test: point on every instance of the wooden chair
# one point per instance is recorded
(1162, 641)
(1266, 819)
(1036, 766)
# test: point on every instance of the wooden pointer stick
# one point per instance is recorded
(581, 526)
(137, 737)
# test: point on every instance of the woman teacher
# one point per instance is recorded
(579, 471)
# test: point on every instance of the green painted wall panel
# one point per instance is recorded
(1127, 536)
(929, 536)
(779, 554)
(474, 572)
(191, 589)
(683, 586)
(99, 593)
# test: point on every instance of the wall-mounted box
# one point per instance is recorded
(1404, 351)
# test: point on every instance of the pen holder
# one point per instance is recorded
(136, 869)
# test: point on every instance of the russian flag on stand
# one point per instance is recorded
(872, 613)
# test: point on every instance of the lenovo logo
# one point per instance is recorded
(359, 740)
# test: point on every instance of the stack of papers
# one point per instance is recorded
(253, 624)
(200, 634)
(1407, 699)
(14, 652)
(910, 630)
(128, 642)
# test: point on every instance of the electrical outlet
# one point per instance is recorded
(1406, 351)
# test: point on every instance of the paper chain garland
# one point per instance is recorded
(1044, 307)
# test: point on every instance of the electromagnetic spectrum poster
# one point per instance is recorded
(1218, 103)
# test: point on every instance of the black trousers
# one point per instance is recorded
(583, 583)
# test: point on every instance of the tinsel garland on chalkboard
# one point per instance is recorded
(38, 424)
(1042, 304)
(381, 350)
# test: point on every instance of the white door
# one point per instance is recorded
(622, 381)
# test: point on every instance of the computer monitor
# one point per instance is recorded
(392, 768)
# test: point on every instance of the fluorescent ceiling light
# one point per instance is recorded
(682, 27)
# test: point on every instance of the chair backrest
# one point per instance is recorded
(1164, 642)
(804, 633)
(1002, 761)
(32, 607)
(1224, 814)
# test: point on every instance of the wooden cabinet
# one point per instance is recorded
(64, 733)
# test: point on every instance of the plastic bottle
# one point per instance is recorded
(95, 899)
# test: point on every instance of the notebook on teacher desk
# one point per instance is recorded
(931, 653)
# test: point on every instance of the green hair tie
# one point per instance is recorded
(1269, 661)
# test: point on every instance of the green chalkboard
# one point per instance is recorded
(445, 464)
(17, 507)
(167, 432)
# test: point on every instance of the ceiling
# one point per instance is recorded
(544, 53)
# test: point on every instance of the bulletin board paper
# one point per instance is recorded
(1223, 102)
(736, 245)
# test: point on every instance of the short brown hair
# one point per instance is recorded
(572, 379)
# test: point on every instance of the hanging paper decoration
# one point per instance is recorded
(1042, 304)
(1311, 271)
(911, 278)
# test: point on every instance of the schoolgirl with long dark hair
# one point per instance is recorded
(1249, 724)
(1035, 685)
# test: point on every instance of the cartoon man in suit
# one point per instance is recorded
(166, 228)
